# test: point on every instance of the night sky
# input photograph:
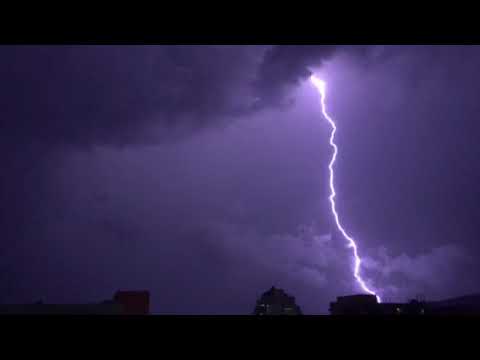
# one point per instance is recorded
(200, 173)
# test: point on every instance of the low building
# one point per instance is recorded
(355, 305)
(123, 303)
(368, 305)
(465, 305)
(133, 302)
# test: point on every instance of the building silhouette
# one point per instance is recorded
(133, 302)
(123, 303)
(368, 305)
(276, 302)
(355, 305)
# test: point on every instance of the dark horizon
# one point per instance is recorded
(274, 301)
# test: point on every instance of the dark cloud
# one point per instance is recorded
(286, 66)
(120, 95)
(283, 67)
(84, 95)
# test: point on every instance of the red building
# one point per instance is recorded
(133, 302)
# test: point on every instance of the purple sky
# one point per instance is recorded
(200, 173)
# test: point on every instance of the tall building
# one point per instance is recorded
(276, 302)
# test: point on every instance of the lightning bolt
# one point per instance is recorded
(321, 86)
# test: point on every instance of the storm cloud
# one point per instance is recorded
(83, 95)
(199, 172)
(123, 95)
